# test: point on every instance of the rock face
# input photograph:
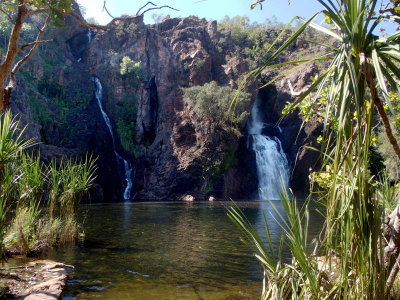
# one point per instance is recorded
(171, 149)
(173, 142)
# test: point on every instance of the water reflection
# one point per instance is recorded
(166, 251)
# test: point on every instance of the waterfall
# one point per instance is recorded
(89, 35)
(120, 159)
(272, 164)
(89, 39)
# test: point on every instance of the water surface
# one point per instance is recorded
(165, 250)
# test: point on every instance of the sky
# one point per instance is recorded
(209, 9)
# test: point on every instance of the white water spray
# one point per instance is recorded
(127, 167)
(272, 164)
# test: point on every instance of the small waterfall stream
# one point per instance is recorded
(89, 39)
(120, 159)
(272, 164)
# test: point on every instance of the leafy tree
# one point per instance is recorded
(252, 39)
(131, 70)
(17, 11)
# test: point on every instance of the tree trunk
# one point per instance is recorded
(391, 226)
(382, 113)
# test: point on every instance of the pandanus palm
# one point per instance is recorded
(363, 71)
(11, 146)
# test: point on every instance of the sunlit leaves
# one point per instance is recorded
(55, 8)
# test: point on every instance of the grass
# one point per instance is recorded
(324, 272)
(38, 203)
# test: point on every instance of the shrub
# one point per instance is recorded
(131, 70)
(214, 102)
(126, 123)
(25, 181)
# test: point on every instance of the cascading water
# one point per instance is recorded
(89, 35)
(272, 164)
(89, 39)
(120, 159)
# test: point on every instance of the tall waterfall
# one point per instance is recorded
(272, 164)
(120, 159)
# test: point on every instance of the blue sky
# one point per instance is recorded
(210, 9)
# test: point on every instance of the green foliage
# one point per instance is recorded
(65, 183)
(255, 40)
(362, 67)
(391, 161)
(127, 28)
(239, 27)
(5, 32)
(215, 165)
(30, 184)
(25, 182)
(299, 279)
(12, 142)
(131, 70)
(56, 7)
(40, 112)
(61, 108)
(126, 122)
(213, 102)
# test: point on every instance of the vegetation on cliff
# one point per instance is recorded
(214, 103)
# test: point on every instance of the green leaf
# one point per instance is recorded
(380, 77)
(324, 30)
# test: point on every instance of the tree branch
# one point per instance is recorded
(370, 78)
(13, 82)
(84, 23)
(148, 3)
(33, 43)
(12, 50)
(159, 7)
(80, 20)
(6, 13)
(105, 8)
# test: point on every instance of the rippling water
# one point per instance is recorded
(166, 250)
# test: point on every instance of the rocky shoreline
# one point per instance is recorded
(38, 280)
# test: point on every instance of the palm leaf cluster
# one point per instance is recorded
(363, 70)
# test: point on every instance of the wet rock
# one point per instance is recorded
(188, 198)
(40, 280)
